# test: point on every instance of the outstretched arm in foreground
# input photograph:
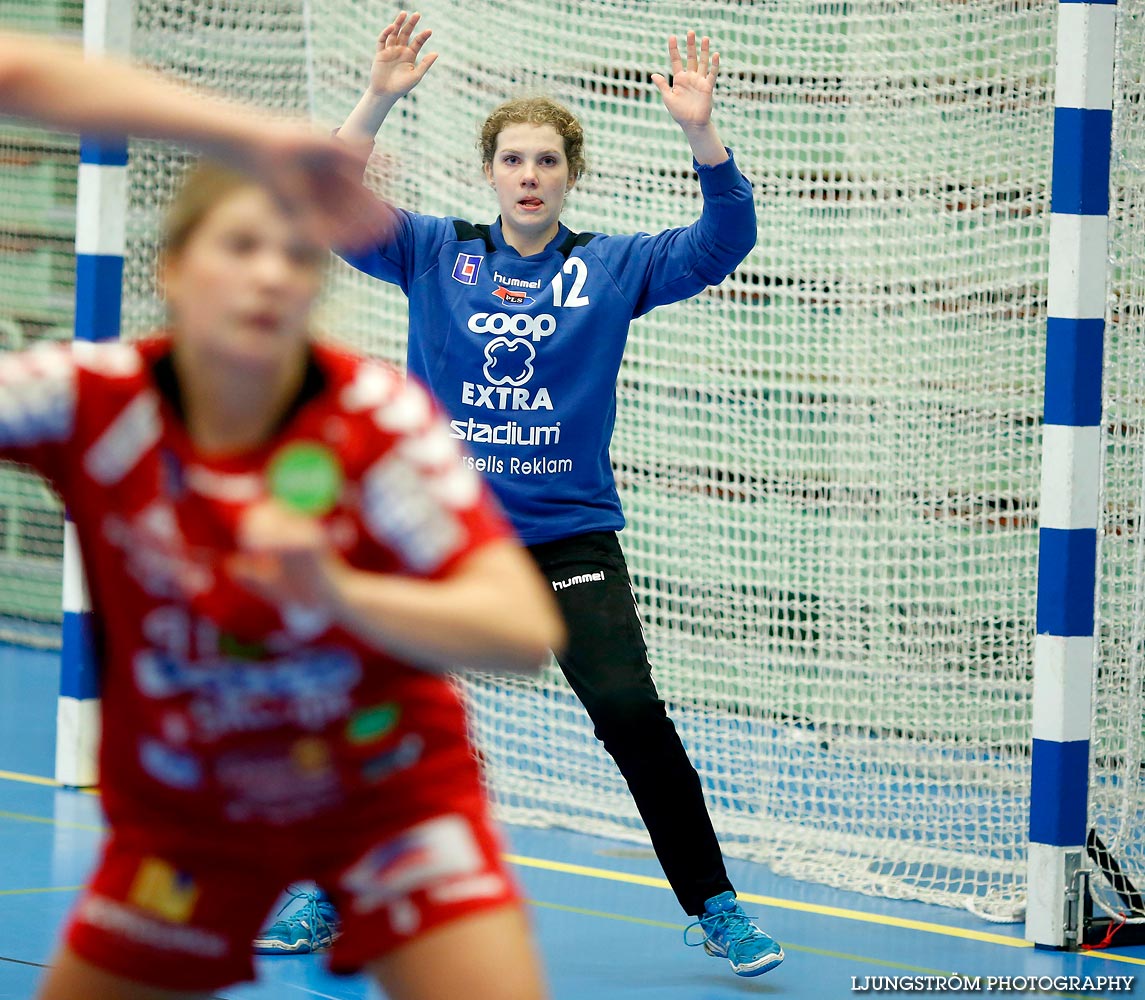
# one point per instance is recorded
(493, 611)
(315, 177)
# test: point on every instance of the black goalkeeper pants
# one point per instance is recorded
(606, 663)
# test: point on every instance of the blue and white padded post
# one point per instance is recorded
(101, 214)
(1071, 467)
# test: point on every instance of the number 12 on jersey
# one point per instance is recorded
(578, 270)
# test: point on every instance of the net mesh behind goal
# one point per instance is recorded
(829, 463)
(37, 285)
(1117, 792)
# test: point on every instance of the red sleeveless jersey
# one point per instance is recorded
(218, 708)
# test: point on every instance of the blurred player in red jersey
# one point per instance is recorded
(313, 177)
(285, 553)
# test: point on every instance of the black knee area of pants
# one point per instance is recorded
(636, 729)
(606, 664)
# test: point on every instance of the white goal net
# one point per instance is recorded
(830, 463)
(37, 289)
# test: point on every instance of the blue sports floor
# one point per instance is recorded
(608, 925)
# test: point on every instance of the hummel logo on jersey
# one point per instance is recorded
(573, 581)
(467, 268)
(511, 282)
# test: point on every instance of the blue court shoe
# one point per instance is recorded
(730, 933)
(311, 927)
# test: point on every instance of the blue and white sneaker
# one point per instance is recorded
(311, 927)
(730, 933)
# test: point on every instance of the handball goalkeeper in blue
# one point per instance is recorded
(519, 327)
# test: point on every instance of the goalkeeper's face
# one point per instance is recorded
(241, 285)
(530, 174)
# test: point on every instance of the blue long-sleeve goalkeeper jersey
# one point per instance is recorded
(524, 352)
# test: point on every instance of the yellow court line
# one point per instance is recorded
(882, 963)
(629, 878)
(50, 820)
(604, 914)
(1102, 953)
(35, 779)
(50, 888)
(784, 904)
(29, 779)
(788, 904)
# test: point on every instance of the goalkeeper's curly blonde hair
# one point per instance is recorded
(535, 111)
